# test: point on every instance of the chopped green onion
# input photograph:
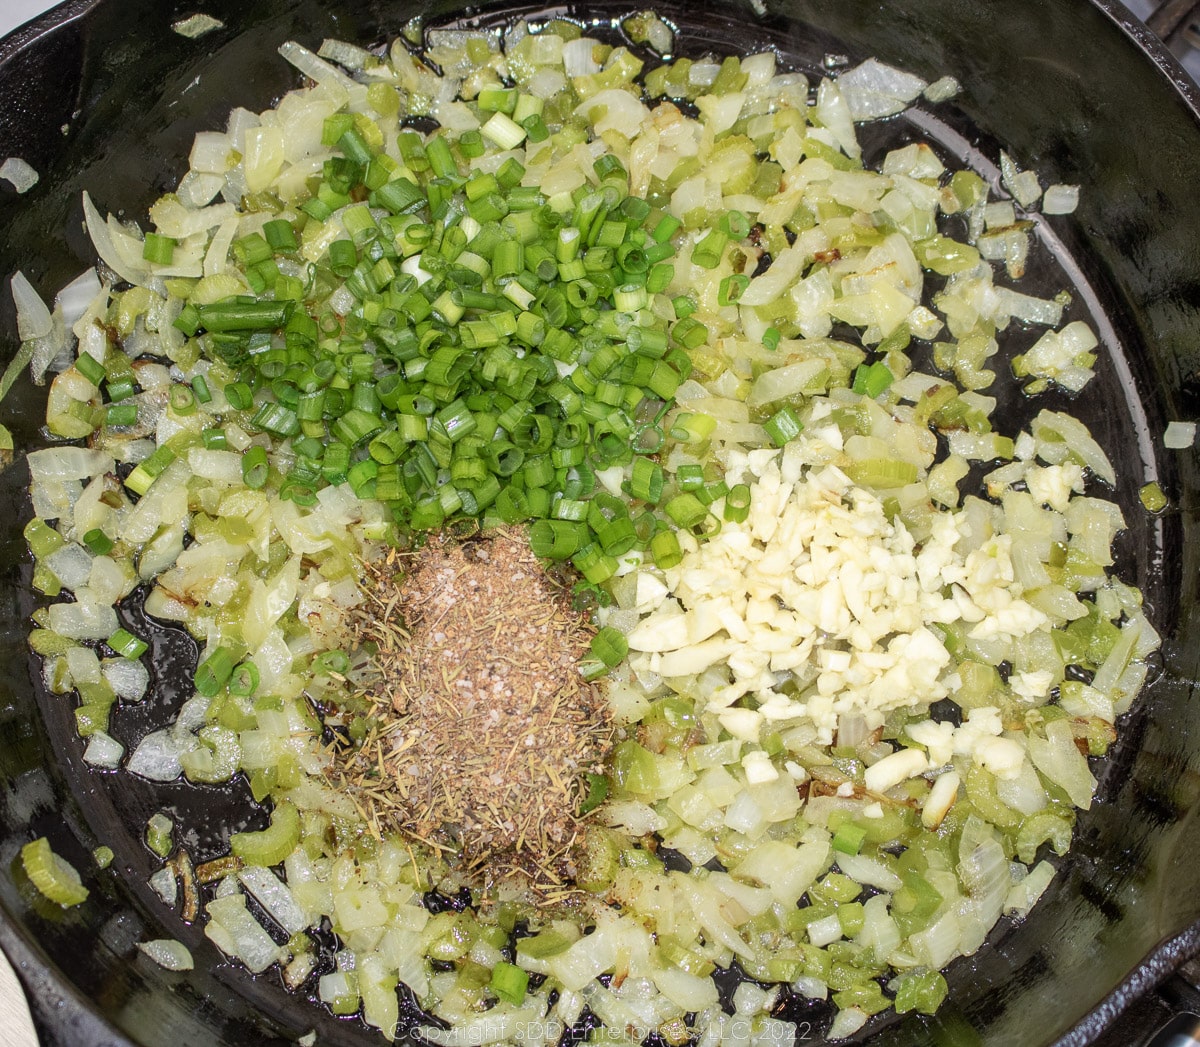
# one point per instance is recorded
(693, 428)
(666, 228)
(872, 379)
(120, 388)
(182, 399)
(684, 306)
(556, 539)
(281, 235)
(690, 477)
(149, 469)
(509, 982)
(332, 662)
(471, 144)
(535, 128)
(251, 250)
(646, 480)
(277, 419)
(244, 679)
(737, 503)
(127, 645)
(91, 368)
(735, 225)
(849, 837)
(98, 542)
(731, 288)
(244, 316)
(503, 131)
(355, 147)
(239, 395)
(594, 564)
(213, 673)
(121, 414)
(783, 425)
(610, 646)
(689, 333)
(255, 467)
(708, 252)
(158, 249)
(664, 547)
(686, 510)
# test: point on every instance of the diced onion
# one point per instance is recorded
(103, 751)
(33, 316)
(164, 884)
(273, 895)
(235, 932)
(873, 90)
(1179, 435)
(1060, 199)
(195, 26)
(19, 174)
(156, 758)
(168, 953)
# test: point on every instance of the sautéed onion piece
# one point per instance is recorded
(705, 361)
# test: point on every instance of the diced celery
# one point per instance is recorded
(838, 887)
(1043, 827)
(159, 831)
(634, 769)
(921, 991)
(597, 857)
(449, 936)
(51, 875)
(272, 845)
(850, 914)
(543, 946)
(981, 791)
(866, 996)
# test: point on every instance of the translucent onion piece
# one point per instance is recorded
(21, 175)
(33, 315)
(103, 751)
(168, 953)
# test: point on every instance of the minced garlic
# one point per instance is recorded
(819, 588)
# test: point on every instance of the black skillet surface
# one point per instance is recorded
(103, 95)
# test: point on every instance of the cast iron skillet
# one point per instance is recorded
(101, 94)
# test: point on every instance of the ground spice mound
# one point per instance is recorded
(487, 727)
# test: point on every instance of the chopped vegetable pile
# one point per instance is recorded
(857, 640)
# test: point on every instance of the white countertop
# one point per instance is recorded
(17, 12)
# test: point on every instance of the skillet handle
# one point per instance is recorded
(1169, 16)
(1181, 1031)
(1174, 22)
